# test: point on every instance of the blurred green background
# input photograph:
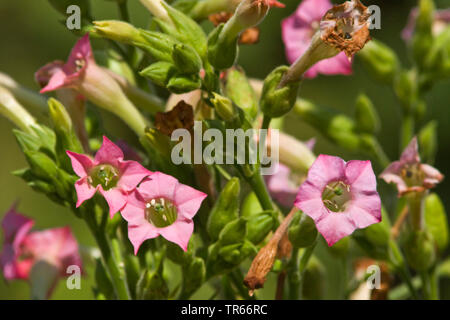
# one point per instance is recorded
(31, 34)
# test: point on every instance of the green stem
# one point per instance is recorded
(434, 284)
(425, 285)
(294, 275)
(111, 264)
(259, 187)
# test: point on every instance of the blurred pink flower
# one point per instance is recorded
(340, 197)
(298, 30)
(409, 174)
(128, 152)
(22, 249)
(441, 20)
(108, 173)
(162, 206)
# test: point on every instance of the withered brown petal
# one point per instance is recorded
(180, 117)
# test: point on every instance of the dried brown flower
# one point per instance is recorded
(180, 117)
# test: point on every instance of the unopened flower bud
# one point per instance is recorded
(239, 90)
(225, 209)
(380, 61)
(15, 112)
(118, 31)
(259, 225)
(193, 276)
(436, 221)
(60, 118)
(419, 250)
(182, 83)
(224, 107)
(159, 72)
(428, 141)
(367, 119)
(186, 59)
(157, 9)
(302, 232)
(277, 101)
(423, 37)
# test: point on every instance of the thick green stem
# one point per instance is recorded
(294, 278)
(259, 187)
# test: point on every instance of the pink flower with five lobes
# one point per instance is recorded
(162, 206)
(23, 249)
(409, 174)
(81, 73)
(340, 197)
(108, 173)
(298, 31)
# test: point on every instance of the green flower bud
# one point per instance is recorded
(406, 90)
(234, 232)
(184, 29)
(423, 36)
(184, 83)
(259, 226)
(302, 232)
(313, 280)
(380, 61)
(66, 138)
(225, 209)
(152, 286)
(251, 206)
(428, 142)
(15, 112)
(222, 50)
(158, 45)
(193, 276)
(419, 250)
(436, 221)
(437, 62)
(366, 116)
(224, 107)
(118, 31)
(186, 59)
(276, 102)
(238, 89)
(177, 255)
(160, 72)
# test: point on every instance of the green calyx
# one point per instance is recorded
(160, 212)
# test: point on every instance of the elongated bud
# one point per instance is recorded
(158, 45)
(366, 116)
(118, 31)
(157, 9)
(406, 89)
(380, 61)
(277, 100)
(436, 221)
(335, 126)
(302, 232)
(15, 112)
(239, 90)
(186, 59)
(60, 118)
(224, 107)
(250, 13)
(225, 209)
(423, 37)
(428, 141)
(419, 250)
(25, 96)
(159, 72)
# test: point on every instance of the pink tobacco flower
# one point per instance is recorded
(107, 173)
(340, 197)
(409, 174)
(441, 20)
(298, 31)
(162, 206)
(22, 249)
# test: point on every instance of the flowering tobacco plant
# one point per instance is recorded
(171, 219)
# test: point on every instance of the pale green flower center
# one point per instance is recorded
(160, 212)
(336, 196)
(105, 175)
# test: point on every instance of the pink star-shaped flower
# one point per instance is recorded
(408, 174)
(162, 206)
(298, 30)
(107, 173)
(340, 197)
